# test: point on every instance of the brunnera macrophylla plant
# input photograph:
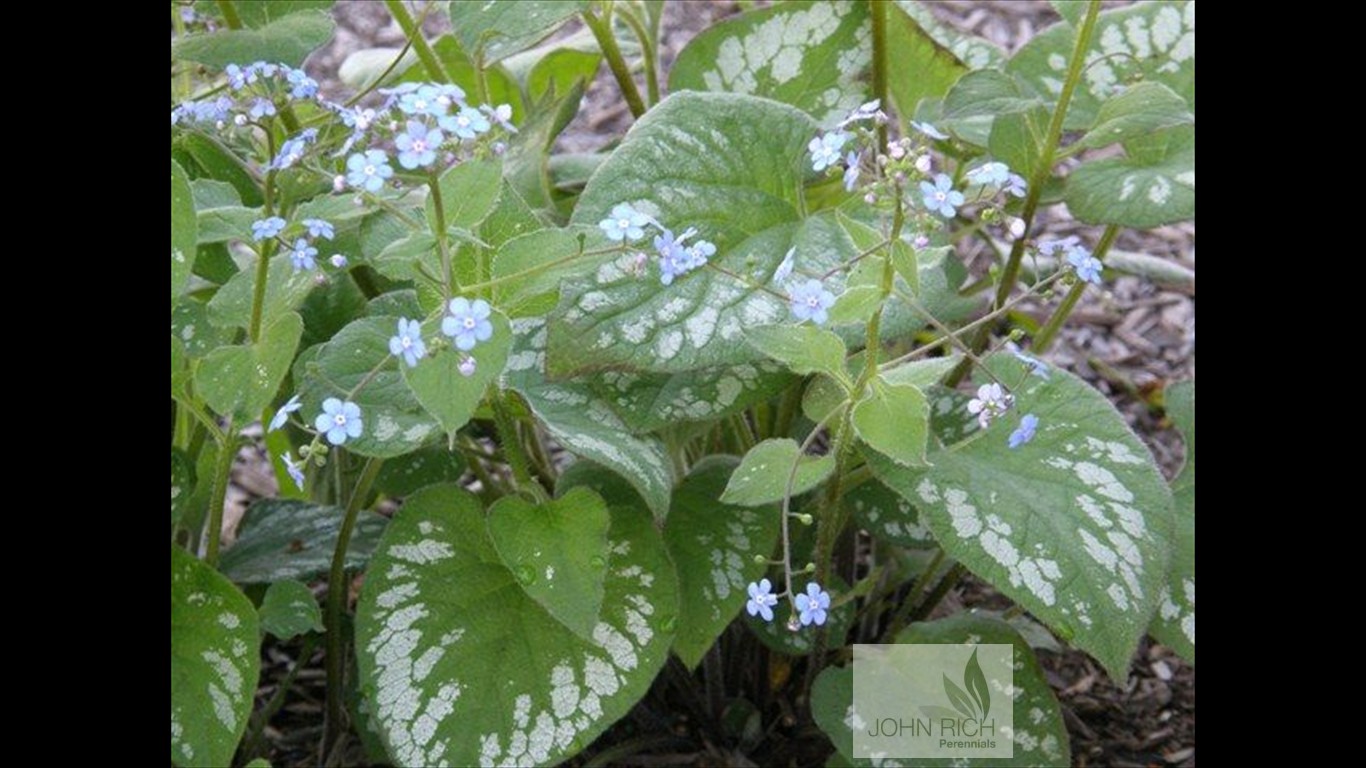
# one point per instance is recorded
(643, 402)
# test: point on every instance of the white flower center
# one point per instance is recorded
(339, 420)
(405, 342)
(940, 196)
(369, 170)
(813, 302)
(419, 104)
(623, 223)
(469, 323)
(419, 145)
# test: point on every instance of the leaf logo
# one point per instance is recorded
(974, 703)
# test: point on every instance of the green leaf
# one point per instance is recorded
(184, 231)
(856, 305)
(978, 98)
(763, 474)
(530, 267)
(500, 29)
(527, 159)
(1040, 735)
(1016, 139)
(557, 550)
(244, 379)
(1075, 526)
(394, 421)
(217, 162)
(560, 71)
(805, 349)
(399, 259)
(448, 395)
(611, 486)
(1071, 11)
(257, 13)
(812, 55)
(1174, 625)
(286, 539)
(328, 309)
(288, 39)
(190, 325)
(648, 402)
(221, 224)
(713, 547)
(182, 481)
(214, 663)
(733, 167)
(1146, 41)
(929, 56)
(468, 192)
(894, 420)
(824, 395)
(403, 475)
(585, 425)
(887, 516)
(289, 609)
(1139, 110)
(1136, 191)
(463, 667)
(286, 290)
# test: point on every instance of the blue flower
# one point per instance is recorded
(1049, 247)
(339, 420)
(295, 470)
(995, 174)
(303, 86)
(761, 600)
(359, 118)
(675, 258)
(281, 416)
(302, 256)
(1025, 432)
(426, 100)
(408, 342)
(991, 401)
(261, 107)
(368, 170)
(261, 69)
(468, 323)
(941, 197)
(1016, 185)
(1035, 365)
(810, 301)
(929, 130)
(700, 251)
(467, 123)
(784, 269)
(624, 224)
(1088, 267)
(292, 151)
(417, 147)
(502, 115)
(813, 604)
(851, 171)
(825, 150)
(237, 77)
(864, 112)
(319, 228)
(448, 95)
(265, 229)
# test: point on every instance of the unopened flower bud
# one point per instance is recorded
(924, 163)
(1016, 225)
(467, 366)
(339, 183)
(339, 261)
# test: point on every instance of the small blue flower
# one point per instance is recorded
(929, 130)
(468, 323)
(1050, 247)
(851, 171)
(359, 118)
(995, 174)
(1016, 185)
(941, 197)
(282, 416)
(675, 258)
(292, 151)
(408, 342)
(417, 147)
(295, 470)
(1087, 266)
(302, 86)
(467, 123)
(1025, 432)
(261, 69)
(261, 107)
(264, 229)
(368, 170)
(784, 270)
(865, 111)
(761, 599)
(449, 95)
(810, 301)
(339, 420)
(700, 251)
(303, 255)
(991, 401)
(825, 149)
(319, 228)
(813, 604)
(624, 224)
(237, 77)
(502, 115)
(1035, 365)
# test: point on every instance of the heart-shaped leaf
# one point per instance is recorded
(184, 231)
(446, 393)
(285, 539)
(762, 477)
(243, 379)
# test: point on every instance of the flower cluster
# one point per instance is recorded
(299, 241)
(255, 92)
(828, 151)
(991, 401)
(1086, 267)
(675, 255)
(812, 606)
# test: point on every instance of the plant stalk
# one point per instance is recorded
(1050, 329)
(601, 27)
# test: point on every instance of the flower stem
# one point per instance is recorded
(424, 51)
(258, 296)
(1042, 171)
(601, 28)
(1050, 329)
(337, 590)
(647, 52)
(229, 11)
(222, 472)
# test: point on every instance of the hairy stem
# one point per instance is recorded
(258, 294)
(222, 472)
(601, 27)
(336, 604)
(647, 53)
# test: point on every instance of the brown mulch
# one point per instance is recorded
(1129, 340)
